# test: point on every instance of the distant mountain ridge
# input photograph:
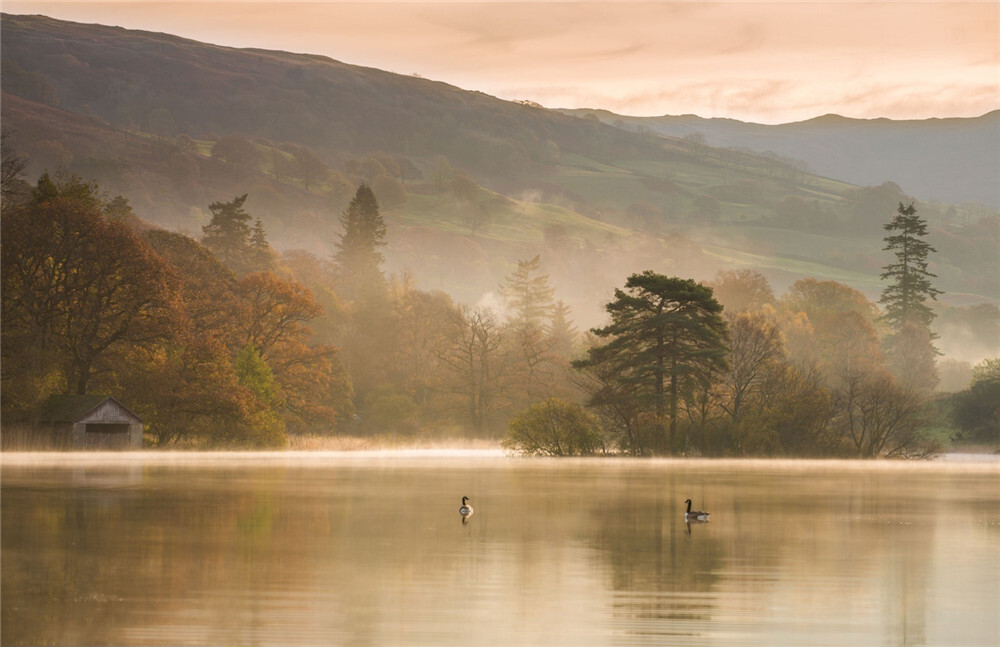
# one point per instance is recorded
(949, 160)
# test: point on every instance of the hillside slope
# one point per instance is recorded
(469, 183)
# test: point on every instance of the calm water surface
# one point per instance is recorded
(369, 549)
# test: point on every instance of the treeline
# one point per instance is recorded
(729, 369)
(222, 342)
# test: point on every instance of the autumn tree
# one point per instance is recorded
(205, 398)
(665, 334)
(755, 345)
(841, 321)
(425, 329)
(278, 312)
(742, 290)
(78, 285)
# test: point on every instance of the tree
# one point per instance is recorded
(230, 237)
(977, 409)
(561, 332)
(275, 325)
(665, 333)
(308, 167)
(528, 293)
(554, 428)
(841, 322)
(238, 152)
(358, 260)
(755, 344)
(910, 347)
(425, 327)
(390, 192)
(277, 311)
(878, 418)
(910, 357)
(742, 290)
(11, 171)
(905, 298)
(479, 364)
(78, 284)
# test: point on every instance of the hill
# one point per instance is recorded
(469, 183)
(945, 160)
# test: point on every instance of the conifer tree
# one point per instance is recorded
(905, 298)
(665, 332)
(528, 293)
(227, 236)
(910, 347)
(358, 259)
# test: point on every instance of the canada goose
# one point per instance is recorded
(466, 509)
(694, 515)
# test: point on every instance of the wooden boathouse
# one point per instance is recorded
(91, 422)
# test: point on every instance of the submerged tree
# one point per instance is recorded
(665, 334)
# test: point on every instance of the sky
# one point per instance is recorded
(764, 62)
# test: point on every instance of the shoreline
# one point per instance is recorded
(474, 456)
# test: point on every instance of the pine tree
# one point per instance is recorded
(905, 298)
(665, 333)
(528, 294)
(910, 347)
(561, 331)
(358, 259)
(260, 249)
(228, 234)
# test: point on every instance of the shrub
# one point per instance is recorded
(554, 428)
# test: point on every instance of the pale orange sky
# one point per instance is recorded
(754, 61)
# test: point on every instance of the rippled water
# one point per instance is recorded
(369, 549)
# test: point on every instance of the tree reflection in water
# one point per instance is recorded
(365, 552)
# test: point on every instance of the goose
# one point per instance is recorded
(694, 515)
(466, 509)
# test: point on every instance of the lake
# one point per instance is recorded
(368, 548)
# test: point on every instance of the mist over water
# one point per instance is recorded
(369, 548)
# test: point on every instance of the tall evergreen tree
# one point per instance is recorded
(665, 332)
(905, 298)
(358, 259)
(561, 331)
(528, 293)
